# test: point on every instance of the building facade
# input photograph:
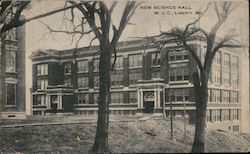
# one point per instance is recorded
(12, 78)
(146, 79)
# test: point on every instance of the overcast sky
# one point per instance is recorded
(146, 23)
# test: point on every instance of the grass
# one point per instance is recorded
(135, 136)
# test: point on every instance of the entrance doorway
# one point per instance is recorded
(149, 102)
(149, 106)
(54, 103)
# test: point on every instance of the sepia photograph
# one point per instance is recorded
(109, 76)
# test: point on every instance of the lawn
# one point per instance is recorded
(126, 136)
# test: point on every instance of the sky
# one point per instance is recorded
(145, 22)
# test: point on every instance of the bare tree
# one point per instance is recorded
(97, 15)
(200, 79)
(11, 11)
(91, 10)
(11, 17)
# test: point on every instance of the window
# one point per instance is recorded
(134, 77)
(116, 98)
(67, 68)
(118, 62)
(42, 69)
(234, 79)
(217, 58)
(135, 60)
(213, 115)
(185, 57)
(226, 96)
(96, 97)
(171, 58)
(216, 95)
(156, 74)
(226, 114)
(209, 115)
(234, 96)
(234, 62)
(10, 61)
(236, 128)
(178, 74)
(83, 82)
(116, 79)
(180, 95)
(226, 62)
(96, 81)
(11, 94)
(40, 100)
(155, 59)
(67, 82)
(226, 78)
(133, 97)
(235, 114)
(83, 66)
(217, 115)
(83, 99)
(216, 76)
(209, 95)
(96, 64)
(42, 84)
(178, 56)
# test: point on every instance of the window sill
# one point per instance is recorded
(41, 90)
(156, 66)
(41, 74)
(82, 72)
(10, 106)
(39, 106)
(135, 67)
(173, 82)
(10, 72)
(83, 88)
(116, 87)
(178, 61)
(85, 104)
(180, 102)
(133, 85)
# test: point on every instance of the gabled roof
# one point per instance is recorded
(39, 52)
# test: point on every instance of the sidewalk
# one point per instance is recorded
(60, 120)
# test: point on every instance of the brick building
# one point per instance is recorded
(12, 79)
(145, 77)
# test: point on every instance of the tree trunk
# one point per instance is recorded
(201, 96)
(101, 137)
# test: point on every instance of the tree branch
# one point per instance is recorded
(124, 20)
(17, 22)
(82, 8)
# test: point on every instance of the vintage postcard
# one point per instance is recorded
(124, 76)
